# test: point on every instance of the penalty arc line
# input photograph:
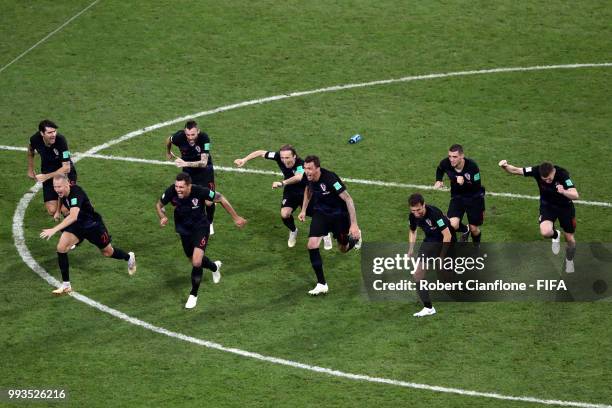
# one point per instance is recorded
(274, 173)
(336, 88)
(27, 257)
(19, 239)
(39, 270)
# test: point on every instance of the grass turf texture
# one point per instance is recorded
(177, 58)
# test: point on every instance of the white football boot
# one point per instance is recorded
(192, 301)
(556, 243)
(292, 238)
(216, 275)
(327, 242)
(319, 290)
(132, 263)
(425, 312)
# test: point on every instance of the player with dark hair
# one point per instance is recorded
(82, 222)
(192, 225)
(557, 191)
(195, 160)
(55, 159)
(439, 235)
(333, 211)
(467, 192)
(294, 182)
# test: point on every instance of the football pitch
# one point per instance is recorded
(522, 81)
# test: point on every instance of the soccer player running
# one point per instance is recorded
(195, 160)
(294, 183)
(82, 222)
(192, 225)
(467, 193)
(54, 160)
(439, 235)
(333, 211)
(557, 191)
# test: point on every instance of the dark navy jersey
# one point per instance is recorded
(52, 157)
(189, 213)
(326, 194)
(548, 192)
(193, 152)
(433, 223)
(471, 177)
(298, 167)
(88, 217)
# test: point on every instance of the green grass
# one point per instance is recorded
(123, 66)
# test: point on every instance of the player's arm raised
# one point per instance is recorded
(508, 168)
(252, 155)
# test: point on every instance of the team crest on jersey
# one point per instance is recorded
(467, 176)
(198, 149)
(323, 187)
(428, 221)
(55, 151)
(195, 202)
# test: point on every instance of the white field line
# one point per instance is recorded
(335, 88)
(350, 180)
(24, 252)
(274, 173)
(48, 36)
(18, 234)
(14, 148)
